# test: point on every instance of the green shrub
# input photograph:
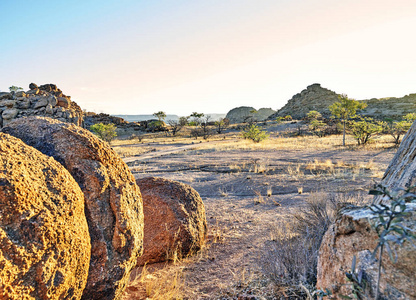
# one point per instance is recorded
(254, 133)
(106, 132)
(364, 128)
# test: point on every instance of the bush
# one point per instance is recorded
(364, 129)
(106, 132)
(288, 118)
(254, 133)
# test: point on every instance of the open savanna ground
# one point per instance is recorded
(251, 192)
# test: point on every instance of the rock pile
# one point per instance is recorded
(245, 114)
(352, 235)
(174, 220)
(113, 203)
(92, 118)
(45, 100)
(44, 240)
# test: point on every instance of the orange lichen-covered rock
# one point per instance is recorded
(44, 240)
(113, 204)
(174, 219)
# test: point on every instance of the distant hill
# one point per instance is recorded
(245, 113)
(315, 97)
(138, 118)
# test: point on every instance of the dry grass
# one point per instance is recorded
(164, 284)
(291, 254)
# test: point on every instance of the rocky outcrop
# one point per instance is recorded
(113, 204)
(352, 235)
(390, 107)
(174, 219)
(44, 240)
(314, 97)
(245, 114)
(45, 100)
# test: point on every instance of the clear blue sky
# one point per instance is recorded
(139, 57)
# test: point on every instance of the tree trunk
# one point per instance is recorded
(343, 135)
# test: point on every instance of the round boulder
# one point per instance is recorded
(44, 241)
(174, 219)
(113, 204)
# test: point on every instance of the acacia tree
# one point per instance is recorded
(160, 115)
(15, 89)
(221, 124)
(345, 109)
(399, 128)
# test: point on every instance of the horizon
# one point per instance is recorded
(140, 57)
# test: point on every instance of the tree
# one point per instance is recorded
(399, 128)
(221, 124)
(317, 127)
(196, 118)
(176, 126)
(106, 132)
(345, 109)
(206, 131)
(160, 115)
(254, 133)
(364, 128)
(15, 89)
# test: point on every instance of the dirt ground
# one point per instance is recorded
(247, 192)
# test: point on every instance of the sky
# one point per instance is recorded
(182, 56)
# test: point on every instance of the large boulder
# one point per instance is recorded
(174, 219)
(44, 241)
(352, 235)
(113, 204)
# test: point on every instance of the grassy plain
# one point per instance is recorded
(251, 192)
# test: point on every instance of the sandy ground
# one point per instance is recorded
(246, 194)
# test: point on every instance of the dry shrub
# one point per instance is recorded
(291, 256)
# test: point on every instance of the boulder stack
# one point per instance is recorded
(45, 100)
(44, 240)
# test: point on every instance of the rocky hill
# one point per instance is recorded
(246, 113)
(315, 97)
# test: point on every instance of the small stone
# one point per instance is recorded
(52, 100)
(9, 113)
(4, 95)
(33, 86)
(63, 102)
(42, 102)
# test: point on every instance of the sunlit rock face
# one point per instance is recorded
(44, 239)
